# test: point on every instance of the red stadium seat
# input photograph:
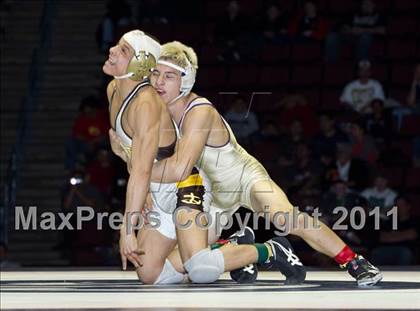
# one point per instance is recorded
(306, 52)
(215, 9)
(274, 76)
(263, 102)
(411, 126)
(274, 53)
(399, 93)
(402, 26)
(377, 49)
(208, 55)
(330, 99)
(405, 146)
(412, 179)
(380, 73)
(407, 5)
(402, 74)
(243, 76)
(306, 75)
(341, 7)
(312, 96)
(211, 77)
(338, 74)
(189, 33)
(399, 49)
(415, 203)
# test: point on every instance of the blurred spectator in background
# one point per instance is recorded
(325, 142)
(273, 25)
(81, 193)
(291, 140)
(295, 107)
(340, 195)
(243, 122)
(303, 176)
(360, 29)
(231, 33)
(269, 131)
(359, 93)
(90, 132)
(380, 195)
(308, 25)
(378, 122)
(101, 172)
(396, 245)
(353, 171)
(363, 146)
(413, 100)
(117, 19)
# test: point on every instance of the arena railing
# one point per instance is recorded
(28, 105)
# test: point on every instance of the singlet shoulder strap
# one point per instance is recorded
(127, 100)
(198, 101)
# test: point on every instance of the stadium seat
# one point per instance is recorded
(411, 126)
(306, 52)
(406, 5)
(399, 49)
(274, 53)
(412, 178)
(211, 77)
(338, 74)
(330, 99)
(306, 75)
(274, 76)
(402, 26)
(242, 76)
(402, 75)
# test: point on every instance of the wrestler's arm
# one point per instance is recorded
(195, 132)
(144, 119)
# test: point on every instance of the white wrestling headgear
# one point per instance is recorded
(146, 53)
(187, 76)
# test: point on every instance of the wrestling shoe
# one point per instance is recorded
(363, 271)
(285, 260)
(249, 273)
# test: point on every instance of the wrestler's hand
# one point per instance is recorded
(129, 249)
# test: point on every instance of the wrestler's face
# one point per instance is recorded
(118, 59)
(166, 81)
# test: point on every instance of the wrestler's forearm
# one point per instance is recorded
(169, 171)
(137, 189)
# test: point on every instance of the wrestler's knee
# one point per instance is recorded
(149, 274)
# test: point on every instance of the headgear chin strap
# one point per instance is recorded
(187, 77)
(146, 52)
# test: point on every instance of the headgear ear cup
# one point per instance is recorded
(141, 65)
(188, 78)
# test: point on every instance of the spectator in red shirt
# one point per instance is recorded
(295, 107)
(363, 146)
(308, 24)
(90, 132)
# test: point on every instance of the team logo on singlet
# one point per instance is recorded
(191, 199)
